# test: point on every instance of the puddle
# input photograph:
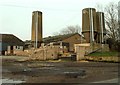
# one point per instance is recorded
(75, 74)
(11, 81)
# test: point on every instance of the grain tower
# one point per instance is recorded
(100, 27)
(89, 28)
(36, 35)
(119, 17)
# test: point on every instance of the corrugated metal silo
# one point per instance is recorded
(89, 28)
(100, 26)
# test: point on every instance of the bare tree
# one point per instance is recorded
(111, 19)
(112, 25)
(99, 7)
(69, 30)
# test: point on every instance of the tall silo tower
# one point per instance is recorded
(119, 25)
(100, 27)
(36, 35)
(119, 16)
(89, 29)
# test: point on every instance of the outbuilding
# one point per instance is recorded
(71, 39)
(10, 43)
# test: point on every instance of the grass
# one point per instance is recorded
(104, 54)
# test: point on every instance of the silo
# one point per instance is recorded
(89, 29)
(119, 13)
(100, 26)
(36, 35)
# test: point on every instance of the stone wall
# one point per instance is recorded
(47, 52)
(80, 50)
(83, 49)
(96, 47)
(103, 59)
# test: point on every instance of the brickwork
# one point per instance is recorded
(80, 50)
(76, 39)
(47, 52)
(83, 49)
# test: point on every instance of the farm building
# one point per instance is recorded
(10, 44)
(71, 39)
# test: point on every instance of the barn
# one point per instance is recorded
(10, 43)
(73, 38)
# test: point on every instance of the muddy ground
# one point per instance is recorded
(57, 71)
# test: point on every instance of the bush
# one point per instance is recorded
(114, 45)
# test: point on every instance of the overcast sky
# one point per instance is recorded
(16, 15)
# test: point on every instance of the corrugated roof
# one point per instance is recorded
(11, 39)
(57, 38)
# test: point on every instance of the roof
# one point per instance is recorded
(58, 38)
(11, 39)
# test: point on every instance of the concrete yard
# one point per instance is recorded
(57, 71)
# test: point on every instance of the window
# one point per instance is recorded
(18, 47)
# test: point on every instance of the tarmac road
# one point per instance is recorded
(54, 72)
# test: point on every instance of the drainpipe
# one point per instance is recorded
(36, 30)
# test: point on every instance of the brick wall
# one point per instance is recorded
(76, 39)
(47, 52)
